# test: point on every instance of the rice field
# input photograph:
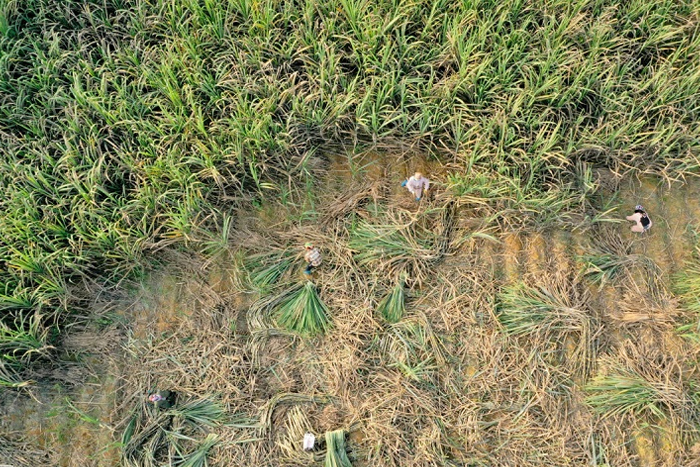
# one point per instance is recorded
(163, 164)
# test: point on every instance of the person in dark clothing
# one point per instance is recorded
(163, 399)
(641, 219)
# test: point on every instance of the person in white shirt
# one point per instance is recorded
(417, 185)
(641, 219)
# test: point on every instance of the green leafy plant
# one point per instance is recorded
(626, 393)
(198, 457)
(265, 269)
(304, 312)
(23, 339)
(392, 306)
(527, 310)
(200, 412)
(335, 450)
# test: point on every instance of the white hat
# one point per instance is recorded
(309, 440)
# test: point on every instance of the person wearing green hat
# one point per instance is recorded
(312, 257)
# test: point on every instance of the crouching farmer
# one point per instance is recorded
(163, 399)
(641, 219)
(312, 257)
(417, 185)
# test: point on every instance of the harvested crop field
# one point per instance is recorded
(557, 347)
(165, 163)
(564, 346)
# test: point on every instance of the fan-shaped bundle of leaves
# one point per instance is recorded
(147, 439)
(549, 316)
(527, 310)
(304, 312)
(626, 393)
(394, 247)
(643, 380)
(335, 450)
(265, 269)
(392, 306)
(202, 412)
(198, 457)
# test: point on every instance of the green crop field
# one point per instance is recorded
(163, 162)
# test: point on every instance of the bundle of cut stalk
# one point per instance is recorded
(335, 453)
(304, 312)
(146, 440)
(392, 306)
(260, 313)
(266, 269)
(291, 439)
(400, 245)
(642, 379)
(552, 315)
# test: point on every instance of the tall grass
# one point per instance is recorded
(686, 283)
(22, 339)
(126, 127)
(686, 286)
(130, 127)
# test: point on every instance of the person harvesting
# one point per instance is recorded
(417, 185)
(163, 399)
(641, 218)
(312, 256)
